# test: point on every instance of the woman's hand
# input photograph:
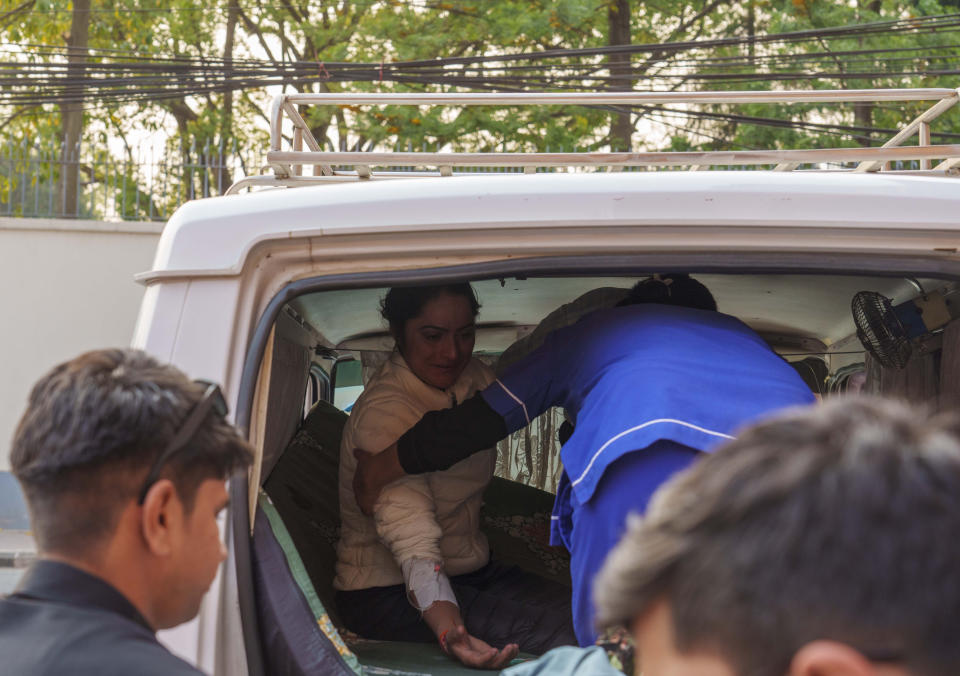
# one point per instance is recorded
(444, 618)
(473, 652)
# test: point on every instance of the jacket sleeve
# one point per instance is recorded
(405, 515)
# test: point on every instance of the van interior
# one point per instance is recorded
(326, 344)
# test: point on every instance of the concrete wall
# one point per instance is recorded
(65, 287)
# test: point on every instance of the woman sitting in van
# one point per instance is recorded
(422, 553)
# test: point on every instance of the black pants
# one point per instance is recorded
(499, 604)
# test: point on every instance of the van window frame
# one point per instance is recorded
(939, 264)
(319, 388)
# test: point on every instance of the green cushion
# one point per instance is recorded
(406, 659)
(516, 521)
(298, 571)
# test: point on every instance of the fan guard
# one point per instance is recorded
(880, 330)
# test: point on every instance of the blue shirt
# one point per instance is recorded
(630, 376)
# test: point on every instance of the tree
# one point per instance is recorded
(677, 45)
(72, 107)
(618, 19)
(883, 54)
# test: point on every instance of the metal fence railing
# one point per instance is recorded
(35, 180)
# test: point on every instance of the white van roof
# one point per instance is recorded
(682, 210)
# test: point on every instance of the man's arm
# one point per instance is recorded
(443, 438)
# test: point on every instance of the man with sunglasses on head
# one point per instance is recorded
(123, 462)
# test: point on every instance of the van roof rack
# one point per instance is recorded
(344, 166)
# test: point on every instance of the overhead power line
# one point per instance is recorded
(917, 25)
(224, 9)
(33, 75)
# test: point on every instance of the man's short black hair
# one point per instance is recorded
(839, 522)
(678, 289)
(93, 427)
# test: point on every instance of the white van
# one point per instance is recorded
(274, 294)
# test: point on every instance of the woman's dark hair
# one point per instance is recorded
(403, 303)
(673, 289)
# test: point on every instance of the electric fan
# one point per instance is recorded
(887, 330)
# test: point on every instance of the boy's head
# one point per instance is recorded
(825, 542)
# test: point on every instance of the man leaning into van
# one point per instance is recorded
(122, 461)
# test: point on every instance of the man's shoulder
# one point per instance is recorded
(40, 637)
(125, 658)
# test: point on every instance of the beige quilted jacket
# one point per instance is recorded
(433, 516)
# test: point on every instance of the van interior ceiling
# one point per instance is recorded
(326, 344)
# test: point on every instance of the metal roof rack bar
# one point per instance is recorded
(287, 164)
(654, 159)
(624, 98)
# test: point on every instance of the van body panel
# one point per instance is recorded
(159, 319)
(222, 262)
(467, 216)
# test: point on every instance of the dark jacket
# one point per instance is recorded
(61, 620)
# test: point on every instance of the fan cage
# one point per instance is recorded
(879, 329)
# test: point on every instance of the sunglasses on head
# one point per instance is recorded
(212, 399)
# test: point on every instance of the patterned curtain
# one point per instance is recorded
(531, 456)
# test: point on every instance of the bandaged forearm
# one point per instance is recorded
(426, 583)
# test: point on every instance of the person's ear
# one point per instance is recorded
(829, 658)
(161, 517)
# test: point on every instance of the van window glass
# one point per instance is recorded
(348, 383)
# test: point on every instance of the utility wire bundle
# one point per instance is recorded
(37, 74)
(32, 75)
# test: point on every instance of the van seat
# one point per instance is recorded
(303, 489)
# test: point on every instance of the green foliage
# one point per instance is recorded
(390, 31)
(837, 62)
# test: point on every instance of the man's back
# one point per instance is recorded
(636, 374)
(61, 620)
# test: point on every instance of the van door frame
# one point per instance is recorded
(940, 265)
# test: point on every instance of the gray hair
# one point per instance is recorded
(838, 522)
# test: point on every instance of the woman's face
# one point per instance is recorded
(437, 343)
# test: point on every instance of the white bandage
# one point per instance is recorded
(426, 583)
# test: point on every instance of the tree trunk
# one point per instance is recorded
(71, 109)
(618, 18)
(863, 110)
(863, 117)
(184, 115)
(223, 180)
